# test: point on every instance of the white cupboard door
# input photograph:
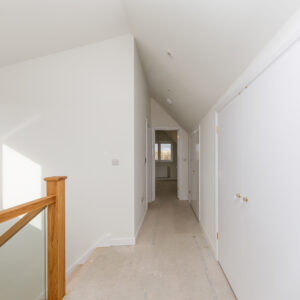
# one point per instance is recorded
(259, 156)
(231, 189)
(195, 175)
(272, 181)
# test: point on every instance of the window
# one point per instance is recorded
(163, 152)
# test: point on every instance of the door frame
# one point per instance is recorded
(196, 131)
(179, 156)
(199, 174)
(216, 117)
(148, 161)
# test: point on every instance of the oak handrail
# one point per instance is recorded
(6, 236)
(55, 202)
(16, 211)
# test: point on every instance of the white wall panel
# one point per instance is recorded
(259, 157)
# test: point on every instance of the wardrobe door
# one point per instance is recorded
(231, 189)
(259, 156)
(272, 181)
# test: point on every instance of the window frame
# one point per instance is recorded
(159, 151)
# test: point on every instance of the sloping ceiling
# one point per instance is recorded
(210, 43)
(191, 50)
(32, 28)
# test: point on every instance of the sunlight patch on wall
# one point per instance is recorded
(22, 180)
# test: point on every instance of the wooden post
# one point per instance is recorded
(56, 238)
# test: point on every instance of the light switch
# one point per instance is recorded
(115, 162)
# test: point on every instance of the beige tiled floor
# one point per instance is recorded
(171, 260)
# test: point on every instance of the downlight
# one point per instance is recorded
(169, 101)
(169, 54)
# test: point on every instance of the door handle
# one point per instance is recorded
(245, 199)
(238, 195)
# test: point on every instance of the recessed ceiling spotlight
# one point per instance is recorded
(169, 101)
(169, 53)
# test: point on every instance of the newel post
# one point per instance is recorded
(56, 238)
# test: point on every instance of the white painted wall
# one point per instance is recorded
(71, 113)
(141, 113)
(161, 119)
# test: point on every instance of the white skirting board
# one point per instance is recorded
(140, 225)
(106, 241)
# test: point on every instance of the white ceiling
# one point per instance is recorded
(212, 42)
(32, 28)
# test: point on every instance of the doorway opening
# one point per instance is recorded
(166, 161)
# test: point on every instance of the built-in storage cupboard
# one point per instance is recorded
(259, 184)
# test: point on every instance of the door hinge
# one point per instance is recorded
(217, 129)
(217, 235)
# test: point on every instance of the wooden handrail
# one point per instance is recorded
(22, 209)
(55, 201)
(18, 226)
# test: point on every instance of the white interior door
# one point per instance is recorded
(190, 168)
(194, 172)
(148, 162)
(259, 150)
(231, 189)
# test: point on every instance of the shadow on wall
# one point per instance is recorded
(22, 258)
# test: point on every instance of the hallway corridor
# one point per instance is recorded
(171, 260)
